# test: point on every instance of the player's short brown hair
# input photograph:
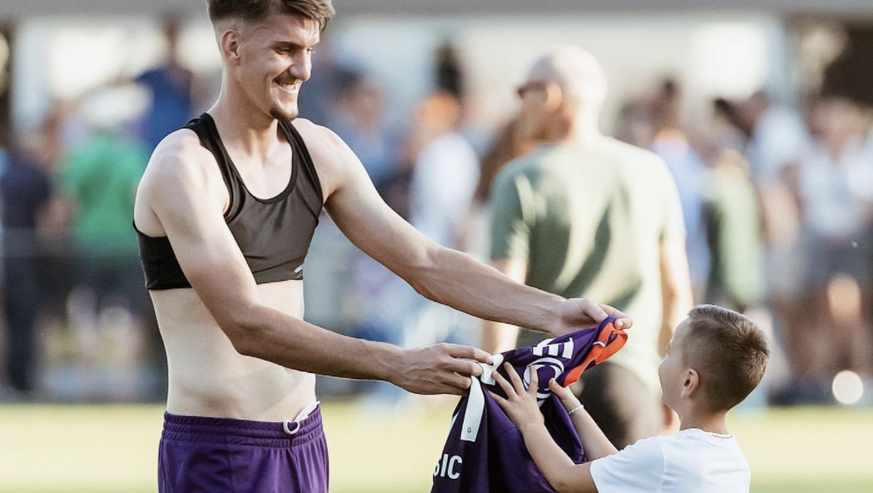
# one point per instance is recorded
(729, 352)
(319, 11)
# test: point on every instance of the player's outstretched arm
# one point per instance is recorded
(440, 274)
(183, 190)
(521, 407)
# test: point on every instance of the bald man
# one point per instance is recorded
(586, 215)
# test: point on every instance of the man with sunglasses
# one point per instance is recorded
(587, 215)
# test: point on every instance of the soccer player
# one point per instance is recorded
(714, 360)
(225, 214)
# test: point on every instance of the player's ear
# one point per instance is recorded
(230, 43)
(690, 382)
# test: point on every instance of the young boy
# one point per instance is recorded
(715, 359)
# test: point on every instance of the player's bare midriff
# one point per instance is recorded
(208, 377)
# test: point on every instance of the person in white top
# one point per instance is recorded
(714, 360)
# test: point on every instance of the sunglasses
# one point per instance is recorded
(531, 86)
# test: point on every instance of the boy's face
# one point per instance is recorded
(672, 371)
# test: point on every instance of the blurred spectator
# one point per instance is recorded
(777, 137)
(444, 176)
(25, 193)
(733, 235)
(171, 87)
(586, 215)
(777, 141)
(507, 145)
(449, 75)
(330, 78)
(636, 123)
(446, 170)
(835, 185)
(98, 180)
(689, 172)
(443, 180)
(358, 121)
(3, 160)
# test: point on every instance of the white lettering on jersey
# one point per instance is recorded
(454, 460)
(546, 348)
(551, 363)
(446, 466)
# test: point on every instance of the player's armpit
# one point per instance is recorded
(186, 193)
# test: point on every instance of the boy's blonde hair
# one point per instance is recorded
(729, 352)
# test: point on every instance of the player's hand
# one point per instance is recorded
(568, 399)
(579, 313)
(520, 404)
(440, 369)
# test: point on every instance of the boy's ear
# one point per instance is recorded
(690, 383)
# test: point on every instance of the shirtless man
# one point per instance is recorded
(225, 212)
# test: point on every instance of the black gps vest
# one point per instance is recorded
(273, 234)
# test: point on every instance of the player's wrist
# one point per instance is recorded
(555, 321)
(394, 363)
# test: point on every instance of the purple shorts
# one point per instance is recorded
(212, 455)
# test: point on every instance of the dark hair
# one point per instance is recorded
(729, 352)
(319, 11)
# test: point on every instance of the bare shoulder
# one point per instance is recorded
(179, 167)
(333, 159)
(178, 156)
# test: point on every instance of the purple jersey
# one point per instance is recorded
(485, 452)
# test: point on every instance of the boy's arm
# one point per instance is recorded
(594, 442)
(559, 470)
(521, 407)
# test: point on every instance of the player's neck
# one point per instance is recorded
(242, 127)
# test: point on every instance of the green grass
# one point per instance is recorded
(97, 449)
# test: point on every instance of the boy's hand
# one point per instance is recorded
(520, 404)
(568, 399)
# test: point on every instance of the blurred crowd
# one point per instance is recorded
(777, 203)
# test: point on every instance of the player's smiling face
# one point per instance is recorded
(275, 60)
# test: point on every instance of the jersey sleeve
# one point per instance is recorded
(637, 468)
(511, 216)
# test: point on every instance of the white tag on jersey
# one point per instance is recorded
(475, 409)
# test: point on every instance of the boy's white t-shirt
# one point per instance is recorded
(693, 461)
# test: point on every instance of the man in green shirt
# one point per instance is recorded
(109, 305)
(586, 215)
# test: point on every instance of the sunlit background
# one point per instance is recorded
(760, 93)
